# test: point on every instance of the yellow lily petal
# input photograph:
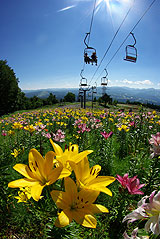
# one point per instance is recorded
(81, 169)
(86, 220)
(73, 148)
(102, 181)
(70, 188)
(36, 191)
(48, 164)
(65, 173)
(54, 175)
(22, 169)
(97, 208)
(88, 195)
(64, 219)
(56, 147)
(59, 198)
(78, 157)
(89, 221)
(101, 189)
(95, 170)
(24, 182)
(36, 161)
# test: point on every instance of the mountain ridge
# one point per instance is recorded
(122, 94)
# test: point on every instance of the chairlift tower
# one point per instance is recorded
(80, 96)
(94, 91)
(83, 88)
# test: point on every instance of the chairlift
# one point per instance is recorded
(90, 55)
(104, 79)
(83, 81)
(94, 88)
(131, 51)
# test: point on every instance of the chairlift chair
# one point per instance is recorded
(90, 55)
(94, 88)
(104, 79)
(83, 81)
(131, 51)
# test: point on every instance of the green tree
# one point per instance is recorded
(70, 97)
(10, 93)
(106, 99)
(36, 102)
(51, 99)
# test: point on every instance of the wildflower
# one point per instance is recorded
(17, 125)
(132, 184)
(155, 144)
(24, 194)
(153, 211)
(29, 128)
(87, 178)
(59, 136)
(15, 153)
(148, 211)
(76, 205)
(38, 174)
(4, 133)
(133, 235)
(11, 132)
(123, 180)
(46, 135)
(68, 157)
(106, 135)
(123, 127)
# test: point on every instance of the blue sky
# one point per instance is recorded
(42, 40)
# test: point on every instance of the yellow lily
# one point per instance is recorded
(38, 174)
(68, 157)
(15, 153)
(88, 178)
(24, 194)
(76, 205)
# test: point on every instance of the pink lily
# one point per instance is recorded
(123, 180)
(106, 135)
(134, 185)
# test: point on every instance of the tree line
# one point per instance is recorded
(13, 99)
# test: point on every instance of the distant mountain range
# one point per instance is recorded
(121, 94)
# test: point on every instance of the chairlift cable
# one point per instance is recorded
(127, 37)
(84, 91)
(113, 39)
(90, 29)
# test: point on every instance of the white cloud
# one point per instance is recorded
(66, 8)
(144, 82)
(127, 81)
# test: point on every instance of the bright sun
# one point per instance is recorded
(113, 5)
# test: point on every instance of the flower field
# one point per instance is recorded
(75, 173)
